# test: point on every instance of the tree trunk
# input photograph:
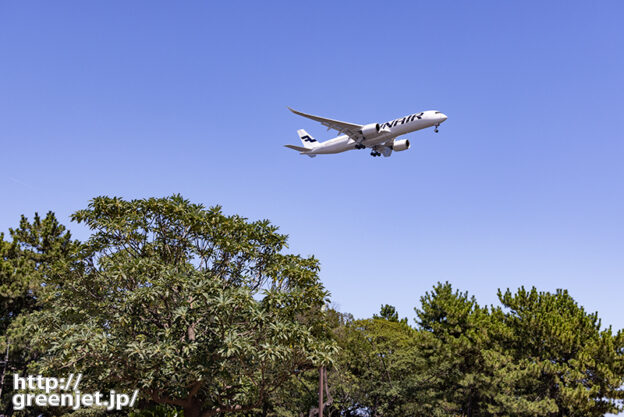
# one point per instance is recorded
(321, 385)
(4, 368)
(192, 410)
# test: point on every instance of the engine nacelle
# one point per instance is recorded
(400, 145)
(370, 130)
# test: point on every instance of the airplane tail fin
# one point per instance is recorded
(308, 141)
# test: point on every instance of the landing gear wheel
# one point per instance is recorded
(436, 128)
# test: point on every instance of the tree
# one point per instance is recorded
(300, 395)
(539, 355)
(560, 352)
(194, 308)
(456, 344)
(377, 367)
(388, 312)
(26, 262)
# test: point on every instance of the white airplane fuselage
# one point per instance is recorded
(390, 130)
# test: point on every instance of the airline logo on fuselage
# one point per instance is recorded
(402, 120)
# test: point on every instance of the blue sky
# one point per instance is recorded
(522, 186)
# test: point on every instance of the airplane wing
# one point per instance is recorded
(350, 129)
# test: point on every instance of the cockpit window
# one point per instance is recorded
(438, 112)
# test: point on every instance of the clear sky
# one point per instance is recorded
(522, 186)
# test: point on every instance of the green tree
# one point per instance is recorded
(26, 263)
(455, 340)
(299, 396)
(195, 308)
(388, 312)
(539, 355)
(561, 353)
(378, 367)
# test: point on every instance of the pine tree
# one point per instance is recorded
(561, 352)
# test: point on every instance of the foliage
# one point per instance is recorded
(560, 353)
(388, 312)
(378, 366)
(194, 308)
(457, 350)
(540, 354)
(206, 315)
(26, 263)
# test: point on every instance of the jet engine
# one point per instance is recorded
(400, 145)
(370, 130)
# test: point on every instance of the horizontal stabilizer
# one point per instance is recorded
(297, 148)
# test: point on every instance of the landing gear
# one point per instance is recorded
(375, 153)
(436, 128)
(359, 146)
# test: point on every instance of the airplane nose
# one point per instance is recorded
(443, 117)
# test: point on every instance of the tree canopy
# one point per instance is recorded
(206, 314)
(192, 307)
(26, 264)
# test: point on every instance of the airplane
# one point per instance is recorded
(380, 138)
